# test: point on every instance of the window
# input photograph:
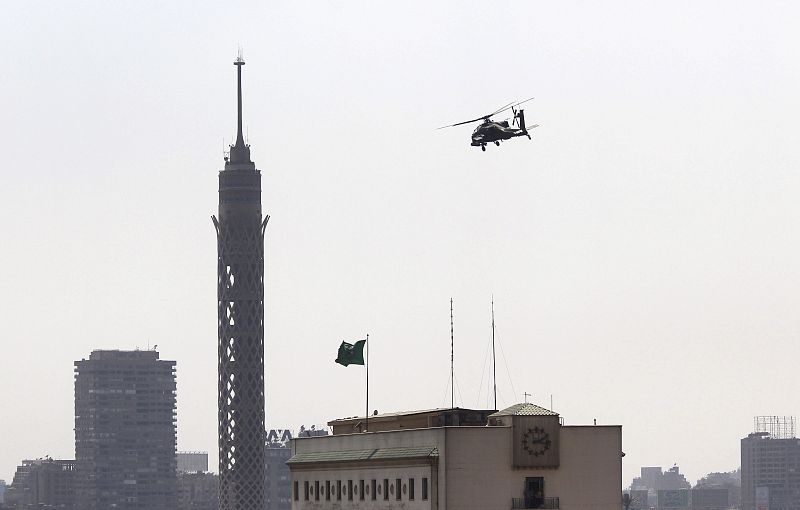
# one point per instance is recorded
(316, 490)
(397, 484)
(386, 489)
(296, 490)
(411, 489)
(361, 490)
(338, 490)
(328, 490)
(374, 491)
(305, 489)
(424, 489)
(349, 490)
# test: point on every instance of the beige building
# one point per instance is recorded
(459, 459)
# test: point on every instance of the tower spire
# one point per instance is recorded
(240, 152)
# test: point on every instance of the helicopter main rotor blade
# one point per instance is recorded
(502, 108)
(510, 105)
(486, 117)
(465, 122)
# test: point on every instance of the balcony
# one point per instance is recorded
(534, 503)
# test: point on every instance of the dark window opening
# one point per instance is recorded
(361, 490)
(296, 490)
(338, 490)
(534, 492)
(386, 489)
(316, 490)
(305, 489)
(374, 490)
(411, 489)
(424, 489)
(327, 490)
(397, 484)
(349, 490)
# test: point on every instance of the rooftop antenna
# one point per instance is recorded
(239, 63)
(494, 359)
(239, 151)
(526, 396)
(452, 370)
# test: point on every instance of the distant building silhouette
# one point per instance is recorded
(277, 478)
(43, 483)
(198, 491)
(665, 489)
(192, 462)
(771, 465)
(718, 490)
(125, 431)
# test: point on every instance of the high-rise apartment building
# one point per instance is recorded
(125, 431)
(240, 326)
(771, 465)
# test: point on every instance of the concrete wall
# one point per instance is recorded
(480, 473)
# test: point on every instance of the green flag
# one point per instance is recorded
(350, 354)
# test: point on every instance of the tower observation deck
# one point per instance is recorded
(240, 326)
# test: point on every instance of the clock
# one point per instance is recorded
(536, 441)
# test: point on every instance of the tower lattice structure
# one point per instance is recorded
(240, 323)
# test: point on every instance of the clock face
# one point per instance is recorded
(536, 441)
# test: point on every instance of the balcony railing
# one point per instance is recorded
(520, 503)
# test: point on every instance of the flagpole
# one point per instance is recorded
(366, 414)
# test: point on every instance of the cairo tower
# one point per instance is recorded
(240, 323)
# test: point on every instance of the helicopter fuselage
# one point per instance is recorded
(491, 131)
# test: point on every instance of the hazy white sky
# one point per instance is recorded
(642, 250)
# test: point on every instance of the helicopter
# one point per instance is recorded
(490, 131)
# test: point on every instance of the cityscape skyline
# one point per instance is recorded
(641, 249)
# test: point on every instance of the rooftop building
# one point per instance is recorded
(521, 457)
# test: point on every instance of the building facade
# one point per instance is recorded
(198, 491)
(125, 431)
(240, 327)
(522, 457)
(771, 470)
(192, 462)
(43, 483)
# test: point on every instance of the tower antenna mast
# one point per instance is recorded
(494, 359)
(452, 370)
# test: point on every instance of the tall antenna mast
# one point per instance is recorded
(452, 370)
(494, 359)
(239, 63)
